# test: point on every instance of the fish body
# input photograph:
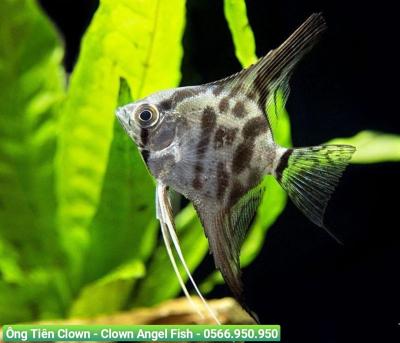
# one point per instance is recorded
(209, 146)
(214, 144)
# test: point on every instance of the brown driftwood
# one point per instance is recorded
(177, 311)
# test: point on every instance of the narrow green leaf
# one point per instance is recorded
(128, 39)
(372, 147)
(32, 86)
(242, 35)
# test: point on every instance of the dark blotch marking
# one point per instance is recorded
(144, 136)
(145, 154)
(223, 105)
(283, 163)
(203, 144)
(183, 94)
(219, 138)
(236, 193)
(254, 127)
(197, 182)
(223, 180)
(239, 110)
(208, 119)
(217, 90)
(198, 168)
(242, 156)
(177, 97)
(165, 105)
(224, 136)
(208, 122)
(244, 152)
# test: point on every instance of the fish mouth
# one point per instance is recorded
(122, 115)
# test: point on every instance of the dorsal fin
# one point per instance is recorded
(226, 229)
(261, 80)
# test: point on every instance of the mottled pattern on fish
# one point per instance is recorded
(213, 143)
(222, 148)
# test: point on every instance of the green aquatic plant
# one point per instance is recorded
(77, 217)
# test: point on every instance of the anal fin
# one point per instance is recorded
(226, 229)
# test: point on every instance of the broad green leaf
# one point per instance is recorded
(85, 135)
(124, 225)
(128, 39)
(160, 282)
(242, 35)
(110, 293)
(373, 147)
(32, 86)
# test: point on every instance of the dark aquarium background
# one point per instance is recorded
(316, 289)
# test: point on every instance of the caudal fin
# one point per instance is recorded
(310, 175)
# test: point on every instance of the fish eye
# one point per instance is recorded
(146, 115)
